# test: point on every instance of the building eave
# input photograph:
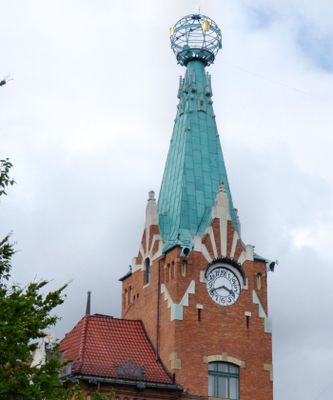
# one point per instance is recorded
(129, 273)
(139, 384)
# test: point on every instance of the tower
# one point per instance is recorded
(199, 290)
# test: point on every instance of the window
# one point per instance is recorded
(147, 271)
(167, 273)
(183, 269)
(259, 276)
(223, 380)
(129, 294)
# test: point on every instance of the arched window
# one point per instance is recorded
(147, 271)
(223, 380)
(183, 268)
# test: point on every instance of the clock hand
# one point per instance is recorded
(224, 287)
(229, 290)
(217, 288)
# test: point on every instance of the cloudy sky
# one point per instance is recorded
(87, 122)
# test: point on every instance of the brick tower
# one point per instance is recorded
(199, 290)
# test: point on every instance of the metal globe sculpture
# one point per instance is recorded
(195, 37)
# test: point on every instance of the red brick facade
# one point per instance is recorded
(207, 332)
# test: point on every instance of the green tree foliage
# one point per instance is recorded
(25, 314)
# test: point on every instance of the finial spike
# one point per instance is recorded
(88, 306)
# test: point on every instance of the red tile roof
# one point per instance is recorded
(103, 346)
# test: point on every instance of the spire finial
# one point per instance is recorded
(195, 37)
(88, 306)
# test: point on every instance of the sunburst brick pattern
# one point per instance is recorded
(221, 239)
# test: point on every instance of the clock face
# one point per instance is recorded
(223, 286)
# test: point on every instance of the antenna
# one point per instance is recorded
(88, 306)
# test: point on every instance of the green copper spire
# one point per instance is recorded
(195, 166)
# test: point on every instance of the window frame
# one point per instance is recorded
(218, 375)
(147, 271)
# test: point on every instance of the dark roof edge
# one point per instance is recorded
(257, 257)
(140, 384)
(129, 273)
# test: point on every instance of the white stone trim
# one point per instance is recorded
(141, 251)
(157, 254)
(197, 244)
(147, 238)
(223, 236)
(234, 244)
(269, 368)
(261, 313)
(205, 253)
(224, 357)
(139, 267)
(155, 237)
(175, 361)
(212, 240)
(177, 309)
(242, 258)
(249, 252)
(167, 296)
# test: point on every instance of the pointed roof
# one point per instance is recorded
(195, 165)
(103, 346)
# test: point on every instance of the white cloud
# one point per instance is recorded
(87, 122)
(318, 237)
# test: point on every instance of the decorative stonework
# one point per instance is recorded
(235, 240)
(212, 239)
(269, 368)
(151, 244)
(224, 357)
(177, 309)
(175, 362)
(261, 312)
(221, 238)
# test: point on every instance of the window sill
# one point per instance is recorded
(218, 398)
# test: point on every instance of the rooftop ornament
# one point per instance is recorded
(195, 37)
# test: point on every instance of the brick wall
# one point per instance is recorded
(206, 329)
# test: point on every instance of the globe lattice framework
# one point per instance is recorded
(195, 37)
